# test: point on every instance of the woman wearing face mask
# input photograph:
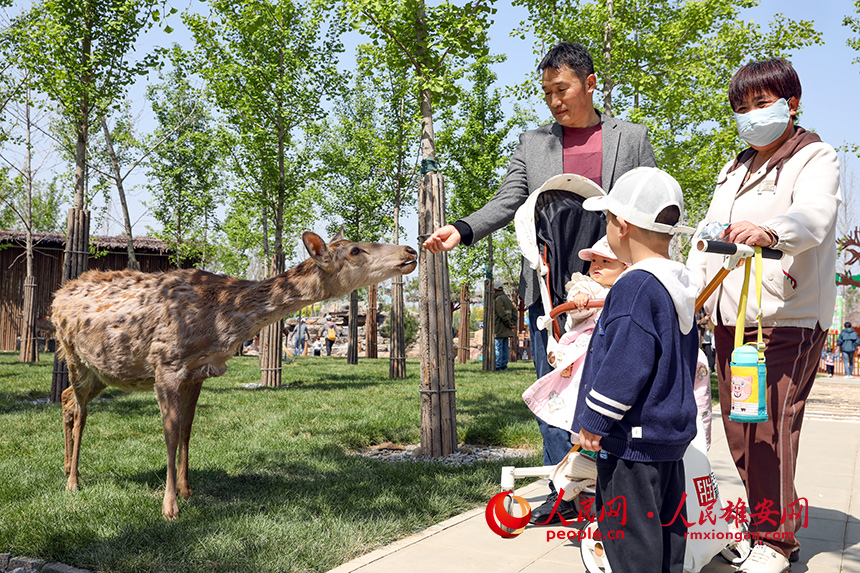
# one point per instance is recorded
(782, 192)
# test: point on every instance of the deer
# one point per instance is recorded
(171, 331)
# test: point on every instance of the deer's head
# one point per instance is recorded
(347, 266)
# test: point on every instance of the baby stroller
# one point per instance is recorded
(552, 216)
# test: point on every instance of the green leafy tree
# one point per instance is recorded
(431, 45)
(183, 168)
(354, 197)
(399, 135)
(475, 147)
(667, 64)
(268, 64)
(78, 53)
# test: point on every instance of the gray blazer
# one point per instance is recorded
(538, 157)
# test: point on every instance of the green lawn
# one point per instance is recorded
(276, 487)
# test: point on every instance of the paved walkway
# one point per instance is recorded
(828, 475)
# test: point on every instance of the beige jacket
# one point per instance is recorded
(800, 289)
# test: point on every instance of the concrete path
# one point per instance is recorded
(828, 475)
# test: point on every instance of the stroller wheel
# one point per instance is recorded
(593, 553)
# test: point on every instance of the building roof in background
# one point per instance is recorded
(58, 241)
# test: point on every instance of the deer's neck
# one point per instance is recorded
(277, 297)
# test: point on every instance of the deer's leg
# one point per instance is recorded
(188, 395)
(84, 386)
(69, 407)
(168, 393)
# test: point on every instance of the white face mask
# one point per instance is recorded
(760, 127)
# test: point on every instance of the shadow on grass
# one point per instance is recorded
(298, 383)
(491, 416)
(330, 496)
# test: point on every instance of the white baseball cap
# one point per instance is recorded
(639, 196)
(498, 283)
(600, 249)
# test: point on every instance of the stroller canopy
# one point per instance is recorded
(552, 227)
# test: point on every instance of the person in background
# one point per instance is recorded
(847, 342)
(503, 324)
(781, 192)
(317, 346)
(301, 336)
(706, 338)
(580, 140)
(829, 360)
(331, 334)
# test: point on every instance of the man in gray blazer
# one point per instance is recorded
(582, 140)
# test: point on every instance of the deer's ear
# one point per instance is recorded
(339, 236)
(317, 248)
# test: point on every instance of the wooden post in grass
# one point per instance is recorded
(438, 410)
(464, 336)
(270, 355)
(352, 338)
(370, 332)
(489, 340)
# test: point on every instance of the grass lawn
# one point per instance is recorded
(276, 487)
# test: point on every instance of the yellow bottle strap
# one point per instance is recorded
(742, 304)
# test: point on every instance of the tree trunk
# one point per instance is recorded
(132, 260)
(271, 360)
(438, 406)
(352, 340)
(488, 352)
(270, 355)
(489, 339)
(370, 330)
(464, 336)
(397, 347)
(29, 351)
(74, 264)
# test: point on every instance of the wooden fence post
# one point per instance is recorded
(370, 330)
(464, 336)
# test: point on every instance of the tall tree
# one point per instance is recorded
(667, 64)
(77, 52)
(430, 44)
(266, 63)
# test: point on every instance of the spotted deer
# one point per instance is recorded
(171, 331)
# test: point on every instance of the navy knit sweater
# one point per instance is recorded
(637, 381)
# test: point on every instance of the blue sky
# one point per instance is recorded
(830, 81)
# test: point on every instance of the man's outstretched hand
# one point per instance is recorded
(444, 239)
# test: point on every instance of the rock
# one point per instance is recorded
(61, 568)
(4, 560)
(26, 563)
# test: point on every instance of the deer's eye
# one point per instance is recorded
(354, 251)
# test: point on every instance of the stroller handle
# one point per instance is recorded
(725, 248)
(566, 306)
